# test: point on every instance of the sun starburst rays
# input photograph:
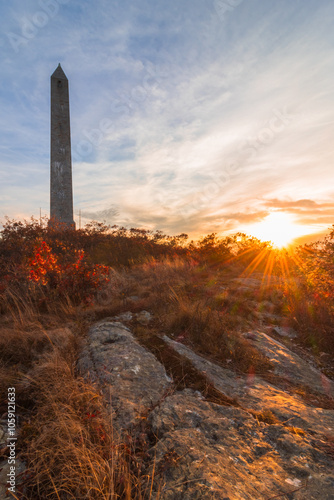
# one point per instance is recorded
(279, 228)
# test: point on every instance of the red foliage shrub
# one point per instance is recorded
(69, 274)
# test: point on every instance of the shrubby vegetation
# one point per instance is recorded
(53, 277)
(309, 294)
(42, 265)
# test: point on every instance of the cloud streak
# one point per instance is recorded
(185, 119)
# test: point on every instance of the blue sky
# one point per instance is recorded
(186, 116)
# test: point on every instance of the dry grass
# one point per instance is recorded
(190, 304)
(297, 431)
(265, 416)
(66, 437)
(181, 370)
(70, 444)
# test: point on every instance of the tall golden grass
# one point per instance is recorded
(66, 437)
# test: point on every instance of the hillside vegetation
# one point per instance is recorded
(53, 279)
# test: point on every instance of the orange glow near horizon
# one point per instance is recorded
(279, 228)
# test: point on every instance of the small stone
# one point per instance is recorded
(293, 482)
(144, 317)
(127, 316)
(284, 331)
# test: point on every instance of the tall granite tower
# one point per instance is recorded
(61, 197)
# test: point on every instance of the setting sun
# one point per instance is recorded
(277, 227)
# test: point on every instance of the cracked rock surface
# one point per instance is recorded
(260, 395)
(211, 451)
(203, 450)
(291, 366)
(131, 378)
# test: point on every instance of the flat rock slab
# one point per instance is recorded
(131, 378)
(291, 366)
(254, 393)
(207, 451)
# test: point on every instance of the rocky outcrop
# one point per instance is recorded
(291, 366)
(207, 451)
(131, 378)
(254, 393)
(202, 450)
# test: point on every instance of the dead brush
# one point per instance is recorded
(70, 445)
(20, 306)
(29, 309)
(67, 439)
(183, 299)
(161, 276)
(265, 416)
(212, 333)
(20, 347)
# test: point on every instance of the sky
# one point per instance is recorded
(193, 116)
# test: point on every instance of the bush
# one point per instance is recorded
(309, 293)
(67, 275)
(39, 264)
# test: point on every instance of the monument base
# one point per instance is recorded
(61, 225)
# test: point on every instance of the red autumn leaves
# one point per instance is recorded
(68, 273)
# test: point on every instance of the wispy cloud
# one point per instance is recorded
(184, 119)
(108, 215)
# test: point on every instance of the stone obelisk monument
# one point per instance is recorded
(61, 196)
